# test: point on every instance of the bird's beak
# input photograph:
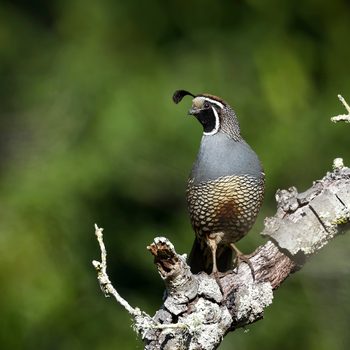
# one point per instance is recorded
(193, 111)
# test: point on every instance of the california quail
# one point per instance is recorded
(225, 188)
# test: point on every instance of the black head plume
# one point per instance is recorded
(180, 94)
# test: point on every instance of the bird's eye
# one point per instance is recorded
(206, 104)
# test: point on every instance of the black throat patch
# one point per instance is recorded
(208, 119)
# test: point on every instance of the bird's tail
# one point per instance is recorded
(200, 258)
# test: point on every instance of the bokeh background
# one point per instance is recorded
(88, 133)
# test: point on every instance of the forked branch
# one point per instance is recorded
(342, 117)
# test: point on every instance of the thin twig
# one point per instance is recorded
(103, 279)
(342, 117)
(142, 320)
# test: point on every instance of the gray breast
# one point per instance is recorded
(220, 156)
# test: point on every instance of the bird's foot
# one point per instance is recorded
(244, 258)
(241, 257)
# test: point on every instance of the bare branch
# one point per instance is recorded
(103, 279)
(143, 323)
(199, 310)
(342, 117)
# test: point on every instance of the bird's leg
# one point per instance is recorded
(241, 257)
(213, 245)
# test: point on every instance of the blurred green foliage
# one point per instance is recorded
(89, 134)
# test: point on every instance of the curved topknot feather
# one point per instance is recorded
(180, 94)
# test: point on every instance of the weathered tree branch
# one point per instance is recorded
(199, 310)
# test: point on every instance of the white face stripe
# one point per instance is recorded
(217, 123)
(219, 104)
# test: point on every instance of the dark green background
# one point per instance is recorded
(88, 133)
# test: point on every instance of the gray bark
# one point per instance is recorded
(199, 310)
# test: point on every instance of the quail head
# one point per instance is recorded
(225, 188)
